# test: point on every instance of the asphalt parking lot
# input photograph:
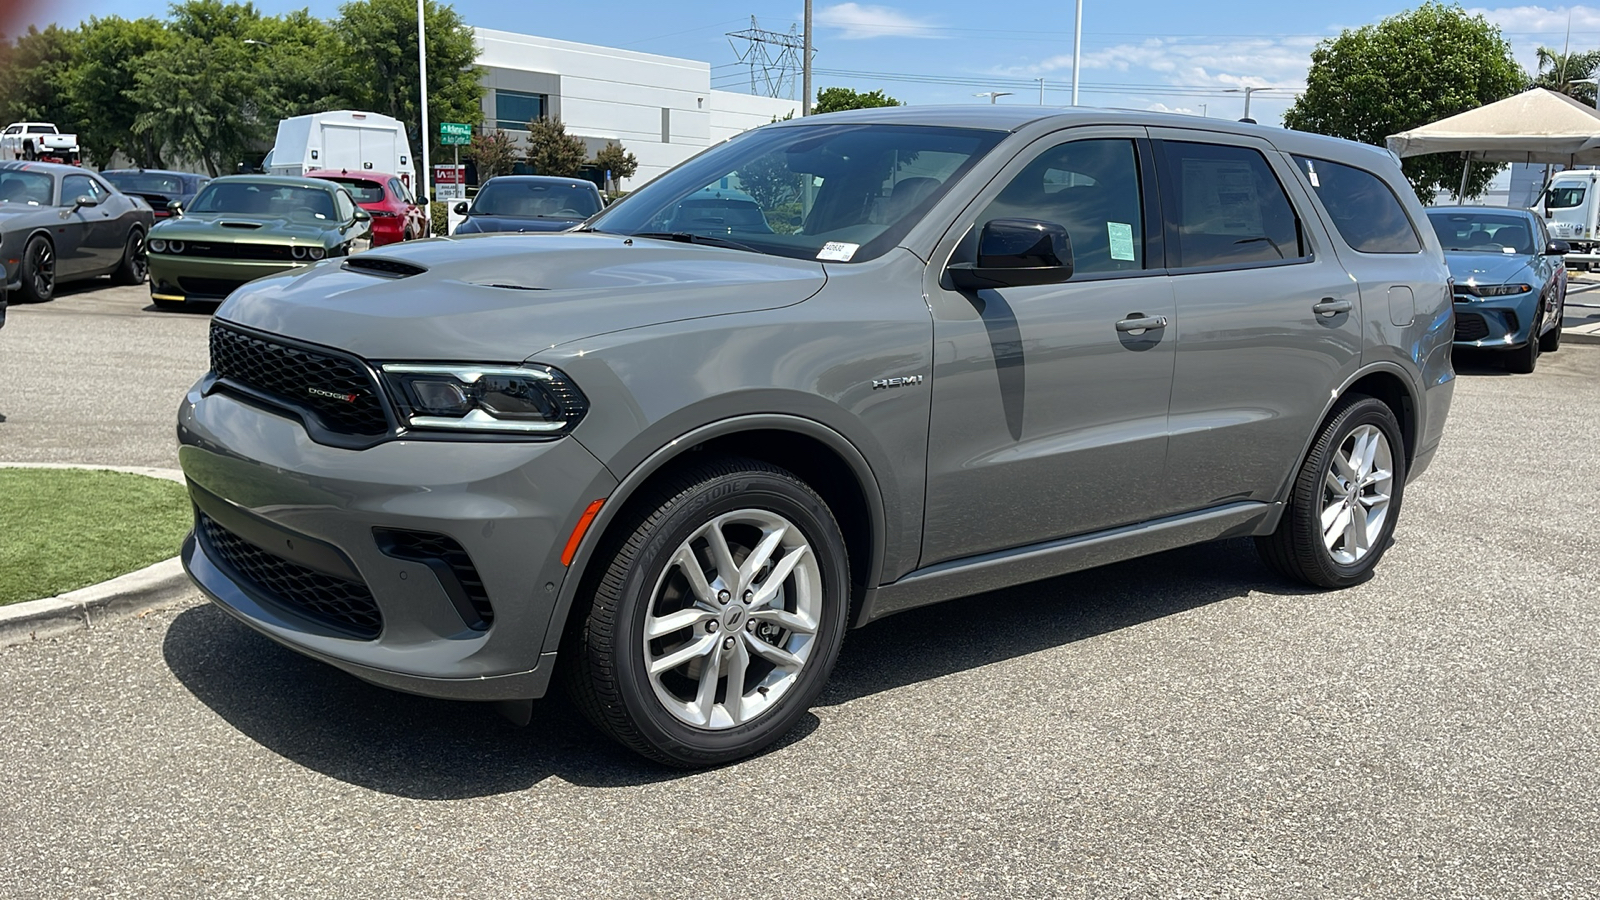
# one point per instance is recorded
(1181, 726)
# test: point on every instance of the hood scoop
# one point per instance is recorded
(230, 224)
(383, 268)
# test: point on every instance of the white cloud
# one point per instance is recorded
(1530, 27)
(859, 22)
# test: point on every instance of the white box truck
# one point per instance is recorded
(344, 139)
(1572, 209)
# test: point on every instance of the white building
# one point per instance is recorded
(660, 108)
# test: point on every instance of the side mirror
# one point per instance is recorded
(421, 199)
(1017, 252)
(175, 207)
(85, 200)
(362, 215)
(1558, 248)
(461, 208)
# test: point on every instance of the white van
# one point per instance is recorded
(344, 139)
(1572, 208)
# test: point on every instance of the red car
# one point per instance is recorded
(396, 215)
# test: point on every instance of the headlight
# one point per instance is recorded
(316, 252)
(1503, 290)
(297, 252)
(175, 246)
(157, 245)
(525, 400)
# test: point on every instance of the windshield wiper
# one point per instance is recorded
(685, 237)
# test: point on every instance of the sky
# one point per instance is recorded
(1173, 55)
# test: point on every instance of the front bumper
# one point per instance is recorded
(1500, 323)
(509, 505)
(181, 278)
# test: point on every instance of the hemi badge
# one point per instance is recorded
(903, 381)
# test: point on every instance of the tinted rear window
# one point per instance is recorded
(1366, 212)
(363, 190)
(1227, 206)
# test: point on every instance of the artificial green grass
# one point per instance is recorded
(63, 529)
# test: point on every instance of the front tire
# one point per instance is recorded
(1550, 341)
(135, 266)
(1345, 501)
(38, 271)
(718, 618)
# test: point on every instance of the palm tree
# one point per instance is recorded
(1557, 71)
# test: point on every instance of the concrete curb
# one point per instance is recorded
(148, 587)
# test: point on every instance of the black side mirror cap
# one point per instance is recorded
(1015, 253)
(1558, 248)
(85, 200)
(461, 208)
(175, 207)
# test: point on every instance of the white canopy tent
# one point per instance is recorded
(1536, 126)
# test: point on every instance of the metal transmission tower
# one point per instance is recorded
(773, 58)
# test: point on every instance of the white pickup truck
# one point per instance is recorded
(38, 140)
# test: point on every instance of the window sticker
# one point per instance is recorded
(1121, 234)
(837, 251)
(1311, 173)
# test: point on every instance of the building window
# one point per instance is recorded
(513, 110)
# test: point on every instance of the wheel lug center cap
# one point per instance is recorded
(733, 618)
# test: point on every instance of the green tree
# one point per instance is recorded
(551, 151)
(1410, 69)
(207, 95)
(378, 52)
(304, 66)
(836, 99)
(35, 82)
(493, 152)
(614, 159)
(1557, 71)
(111, 54)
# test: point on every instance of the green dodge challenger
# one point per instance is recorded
(245, 227)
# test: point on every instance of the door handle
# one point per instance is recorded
(1331, 307)
(1139, 324)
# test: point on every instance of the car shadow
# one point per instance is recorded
(1475, 363)
(416, 747)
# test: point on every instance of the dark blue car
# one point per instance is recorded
(1511, 280)
(529, 203)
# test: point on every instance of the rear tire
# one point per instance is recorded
(1355, 473)
(716, 618)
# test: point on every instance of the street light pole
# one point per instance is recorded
(1041, 92)
(1077, 51)
(1247, 91)
(805, 65)
(993, 95)
(422, 65)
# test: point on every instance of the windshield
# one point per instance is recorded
(263, 199)
(363, 190)
(25, 188)
(1563, 197)
(833, 192)
(536, 199)
(135, 182)
(1483, 232)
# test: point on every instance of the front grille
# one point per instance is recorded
(428, 548)
(345, 605)
(1471, 327)
(336, 390)
(231, 250)
(209, 287)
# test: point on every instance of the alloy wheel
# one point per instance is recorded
(44, 269)
(139, 256)
(1356, 493)
(733, 619)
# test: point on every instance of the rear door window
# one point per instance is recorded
(1225, 207)
(1365, 211)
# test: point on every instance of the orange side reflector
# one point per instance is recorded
(584, 521)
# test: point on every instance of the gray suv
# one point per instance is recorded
(677, 454)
